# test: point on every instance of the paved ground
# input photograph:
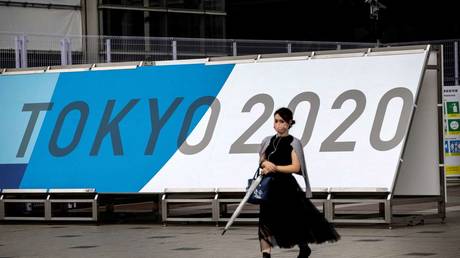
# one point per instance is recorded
(432, 239)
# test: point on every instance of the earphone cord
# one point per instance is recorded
(274, 147)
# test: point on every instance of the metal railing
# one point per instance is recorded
(48, 50)
(34, 50)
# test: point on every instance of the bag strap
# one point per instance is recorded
(256, 174)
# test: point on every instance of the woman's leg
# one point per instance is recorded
(304, 250)
(265, 247)
(266, 255)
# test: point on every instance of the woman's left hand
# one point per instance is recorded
(269, 167)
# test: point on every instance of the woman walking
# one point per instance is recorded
(288, 218)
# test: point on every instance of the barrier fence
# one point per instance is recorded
(34, 50)
(41, 50)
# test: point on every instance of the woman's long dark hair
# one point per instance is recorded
(286, 115)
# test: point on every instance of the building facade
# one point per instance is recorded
(159, 18)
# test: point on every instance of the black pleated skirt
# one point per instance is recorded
(289, 218)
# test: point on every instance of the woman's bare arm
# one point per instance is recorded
(269, 167)
(292, 168)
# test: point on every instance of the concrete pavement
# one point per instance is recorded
(432, 239)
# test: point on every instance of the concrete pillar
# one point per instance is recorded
(90, 27)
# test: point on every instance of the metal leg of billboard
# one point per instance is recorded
(49, 204)
(2, 208)
(188, 204)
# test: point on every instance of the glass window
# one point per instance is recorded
(214, 5)
(157, 23)
(123, 23)
(215, 26)
(124, 2)
(185, 25)
(157, 3)
(185, 4)
(135, 3)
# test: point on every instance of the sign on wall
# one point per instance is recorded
(452, 130)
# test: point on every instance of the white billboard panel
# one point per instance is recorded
(358, 111)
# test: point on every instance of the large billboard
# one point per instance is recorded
(200, 125)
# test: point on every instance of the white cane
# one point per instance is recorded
(235, 214)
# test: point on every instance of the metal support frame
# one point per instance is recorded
(386, 202)
(2, 208)
(328, 197)
(456, 62)
(226, 196)
(441, 160)
(23, 196)
(73, 196)
(355, 197)
(321, 195)
(328, 211)
(221, 198)
(47, 198)
(188, 196)
(388, 209)
(48, 208)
